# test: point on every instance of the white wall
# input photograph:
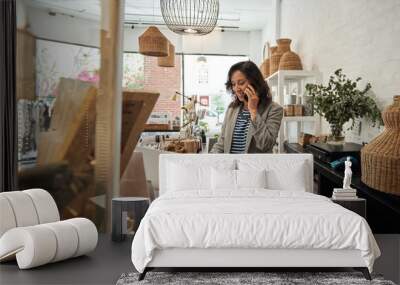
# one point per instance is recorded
(272, 30)
(63, 28)
(255, 46)
(363, 38)
(360, 36)
(87, 32)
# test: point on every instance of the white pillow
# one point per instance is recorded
(251, 179)
(296, 181)
(184, 176)
(293, 178)
(280, 174)
(223, 179)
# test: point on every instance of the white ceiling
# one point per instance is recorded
(246, 14)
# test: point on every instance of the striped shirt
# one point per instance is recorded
(239, 135)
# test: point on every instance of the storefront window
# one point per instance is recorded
(208, 84)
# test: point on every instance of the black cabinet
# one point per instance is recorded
(382, 210)
(358, 206)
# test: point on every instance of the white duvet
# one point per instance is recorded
(253, 218)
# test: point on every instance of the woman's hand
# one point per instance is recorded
(252, 102)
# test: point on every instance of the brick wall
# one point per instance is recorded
(165, 80)
(360, 36)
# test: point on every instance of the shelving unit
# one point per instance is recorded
(284, 83)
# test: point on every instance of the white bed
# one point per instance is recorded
(220, 211)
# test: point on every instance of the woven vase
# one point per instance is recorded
(168, 61)
(272, 50)
(380, 159)
(264, 67)
(274, 60)
(283, 45)
(290, 61)
(153, 43)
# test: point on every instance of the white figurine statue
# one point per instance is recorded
(347, 174)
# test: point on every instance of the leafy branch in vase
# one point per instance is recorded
(341, 101)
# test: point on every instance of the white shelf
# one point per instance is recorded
(280, 83)
(293, 75)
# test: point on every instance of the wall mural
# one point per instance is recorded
(55, 60)
(133, 71)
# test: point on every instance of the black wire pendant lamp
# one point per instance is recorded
(197, 17)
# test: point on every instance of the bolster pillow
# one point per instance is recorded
(26, 208)
(40, 244)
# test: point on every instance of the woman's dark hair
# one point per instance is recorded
(255, 78)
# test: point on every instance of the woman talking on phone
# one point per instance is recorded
(252, 120)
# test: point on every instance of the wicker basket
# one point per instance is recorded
(274, 61)
(288, 110)
(290, 61)
(153, 43)
(264, 67)
(380, 159)
(272, 50)
(168, 61)
(283, 46)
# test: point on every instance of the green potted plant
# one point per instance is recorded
(341, 101)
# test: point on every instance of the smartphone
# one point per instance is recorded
(245, 96)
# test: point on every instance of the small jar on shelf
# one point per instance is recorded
(298, 110)
(289, 110)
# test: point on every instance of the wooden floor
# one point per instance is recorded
(103, 266)
(111, 259)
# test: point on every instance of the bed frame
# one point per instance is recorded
(242, 259)
(248, 259)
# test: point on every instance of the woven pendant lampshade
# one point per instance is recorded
(153, 43)
(380, 159)
(168, 61)
(197, 17)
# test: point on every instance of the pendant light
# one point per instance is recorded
(168, 61)
(197, 17)
(153, 43)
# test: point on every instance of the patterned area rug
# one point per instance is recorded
(270, 278)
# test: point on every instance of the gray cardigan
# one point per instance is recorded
(261, 135)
